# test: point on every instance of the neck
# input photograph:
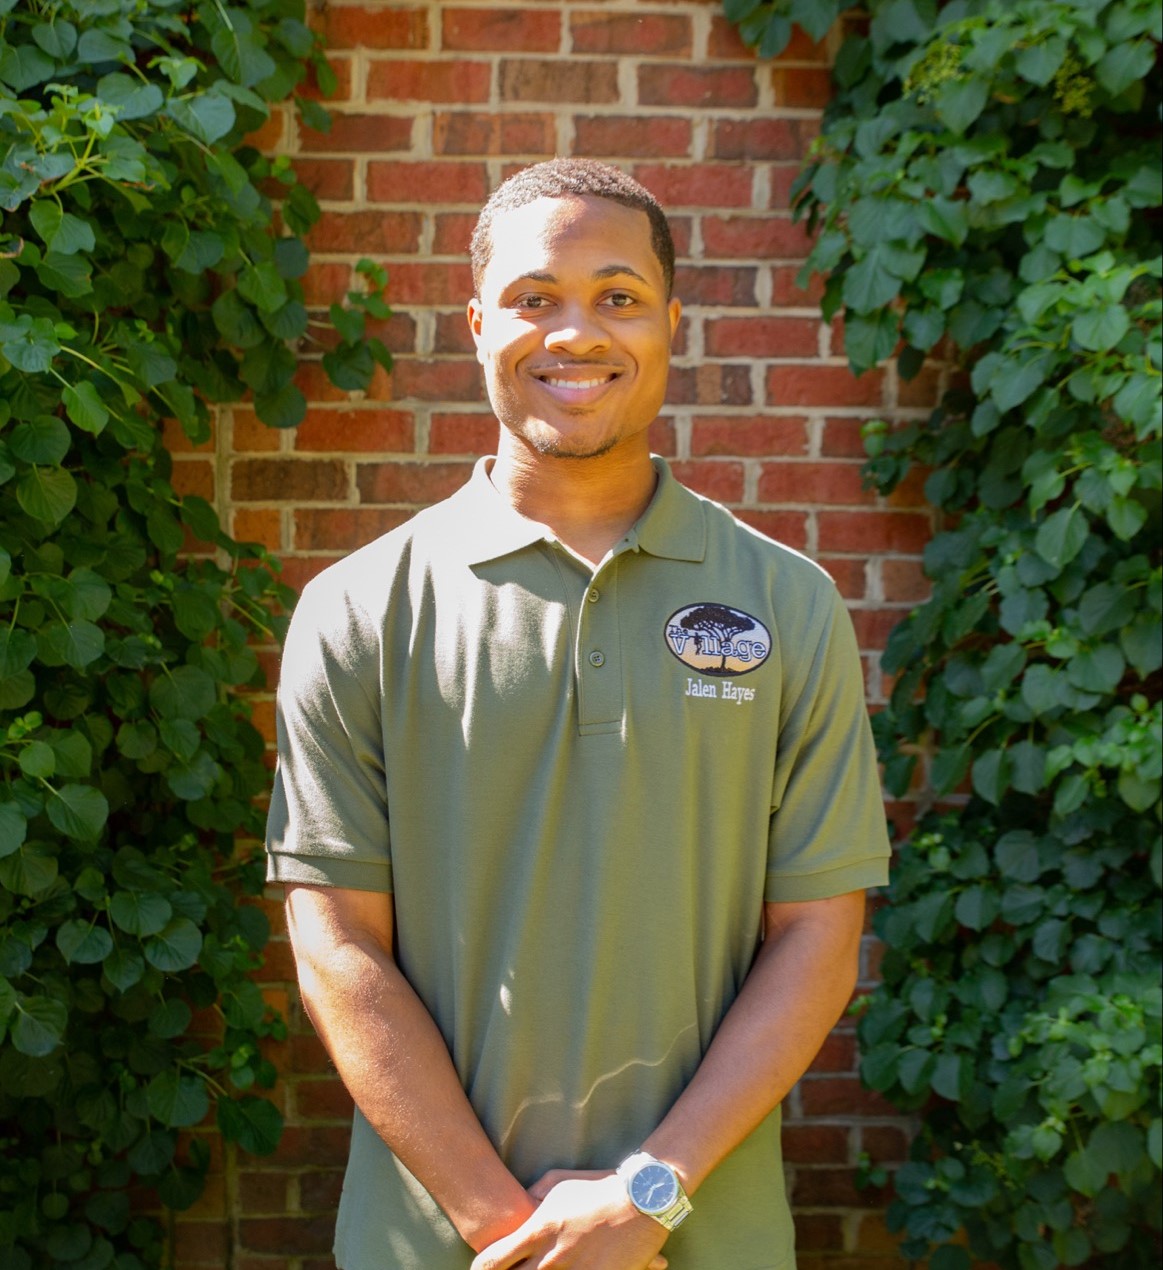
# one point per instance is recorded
(589, 504)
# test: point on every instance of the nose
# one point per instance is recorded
(578, 330)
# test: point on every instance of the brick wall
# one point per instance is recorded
(436, 103)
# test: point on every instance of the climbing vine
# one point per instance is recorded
(986, 190)
(142, 280)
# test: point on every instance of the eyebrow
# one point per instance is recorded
(607, 271)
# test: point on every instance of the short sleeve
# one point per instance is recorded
(328, 819)
(828, 833)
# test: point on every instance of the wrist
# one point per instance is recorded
(492, 1218)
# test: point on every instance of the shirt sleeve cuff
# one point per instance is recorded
(350, 875)
(783, 888)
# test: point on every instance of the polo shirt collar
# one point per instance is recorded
(672, 526)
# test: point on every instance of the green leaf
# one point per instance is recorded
(78, 811)
(869, 339)
(253, 1123)
(1074, 236)
(960, 101)
(949, 767)
(1061, 536)
(47, 494)
(1126, 517)
(1028, 762)
(1018, 857)
(183, 693)
(263, 286)
(176, 946)
(131, 98)
(40, 1025)
(22, 66)
(83, 943)
(977, 906)
(152, 1152)
(991, 775)
(169, 1019)
(176, 1100)
(85, 407)
(77, 643)
(1123, 64)
(284, 408)
(13, 828)
(38, 760)
(123, 968)
(207, 117)
(140, 912)
(1101, 328)
(1038, 63)
(1098, 669)
(1138, 792)
(44, 440)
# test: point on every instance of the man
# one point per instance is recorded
(576, 805)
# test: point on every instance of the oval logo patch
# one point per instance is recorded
(715, 639)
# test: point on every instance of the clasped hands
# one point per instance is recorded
(584, 1221)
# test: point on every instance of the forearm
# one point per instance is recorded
(393, 1060)
(799, 985)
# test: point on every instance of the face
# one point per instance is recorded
(573, 326)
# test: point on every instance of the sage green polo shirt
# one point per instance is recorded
(579, 785)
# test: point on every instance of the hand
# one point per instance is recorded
(585, 1221)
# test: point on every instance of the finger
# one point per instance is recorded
(546, 1183)
(659, 1263)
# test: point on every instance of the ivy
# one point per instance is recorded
(142, 280)
(986, 189)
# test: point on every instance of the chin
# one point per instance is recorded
(552, 443)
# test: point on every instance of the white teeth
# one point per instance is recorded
(574, 383)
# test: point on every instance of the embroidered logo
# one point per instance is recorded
(714, 639)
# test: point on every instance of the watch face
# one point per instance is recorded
(653, 1188)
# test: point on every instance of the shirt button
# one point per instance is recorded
(597, 658)
(594, 595)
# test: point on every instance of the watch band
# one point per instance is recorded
(673, 1215)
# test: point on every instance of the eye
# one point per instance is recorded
(621, 300)
(531, 302)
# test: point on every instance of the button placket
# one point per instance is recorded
(601, 702)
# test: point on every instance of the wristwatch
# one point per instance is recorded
(654, 1189)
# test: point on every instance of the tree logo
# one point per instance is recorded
(717, 640)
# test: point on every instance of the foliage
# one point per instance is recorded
(986, 189)
(141, 278)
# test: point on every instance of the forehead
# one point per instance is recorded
(551, 235)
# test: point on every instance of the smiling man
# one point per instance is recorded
(576, 805)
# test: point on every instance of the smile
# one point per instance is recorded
(595, 382)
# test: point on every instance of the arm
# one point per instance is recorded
(393, 1060)
(797, 988)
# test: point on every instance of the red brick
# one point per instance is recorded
(818, 1231)
(393, 182)
(409, 482)
(632, 136)
(453, 334)
(453, 233)
(716, 479)
(286, 1234)
(430, 283)
(717, 286)
(373, 27)
(719, 86)
(514, 29)
(725, 41)
(815, 1144)
(194, 476)
(543, 80)
(249, 435)
(872, 1235)
(177, 442)
(316, 1145)
(757, 139)
(837, 1054)
(922, 390)
(372, 232)
(748, 435)
(822, 386)
(328, 179)
(359, 134)
(699, 185)
(849, 574)
(856, 531)
(322, 1100)
(319, 1192)
(355, 429)
(710, 384)
(769, 237)
(790, 528)
(325, 282)
(813, 483)
(313, 382)
(842, 439)
(397, 332)
(474, 434)
(469, 132)
(904, 581)
(658, 34)
(801, 88)
(341, 68)
(662, 438)
(252, 524)
(782, 179)
(835, 1188)
(885, 1144)
(459, 82)
(873, 626)
(450, 379)
(269, 134)
(201, 1241)
(263, 1192)
(289, 480)
(342, 529)
(762, 337)
(786, 292)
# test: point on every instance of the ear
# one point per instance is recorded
(674, 309)
(474, 313)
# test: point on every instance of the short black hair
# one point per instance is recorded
(564, 178)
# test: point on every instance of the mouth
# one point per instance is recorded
(579, 385)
